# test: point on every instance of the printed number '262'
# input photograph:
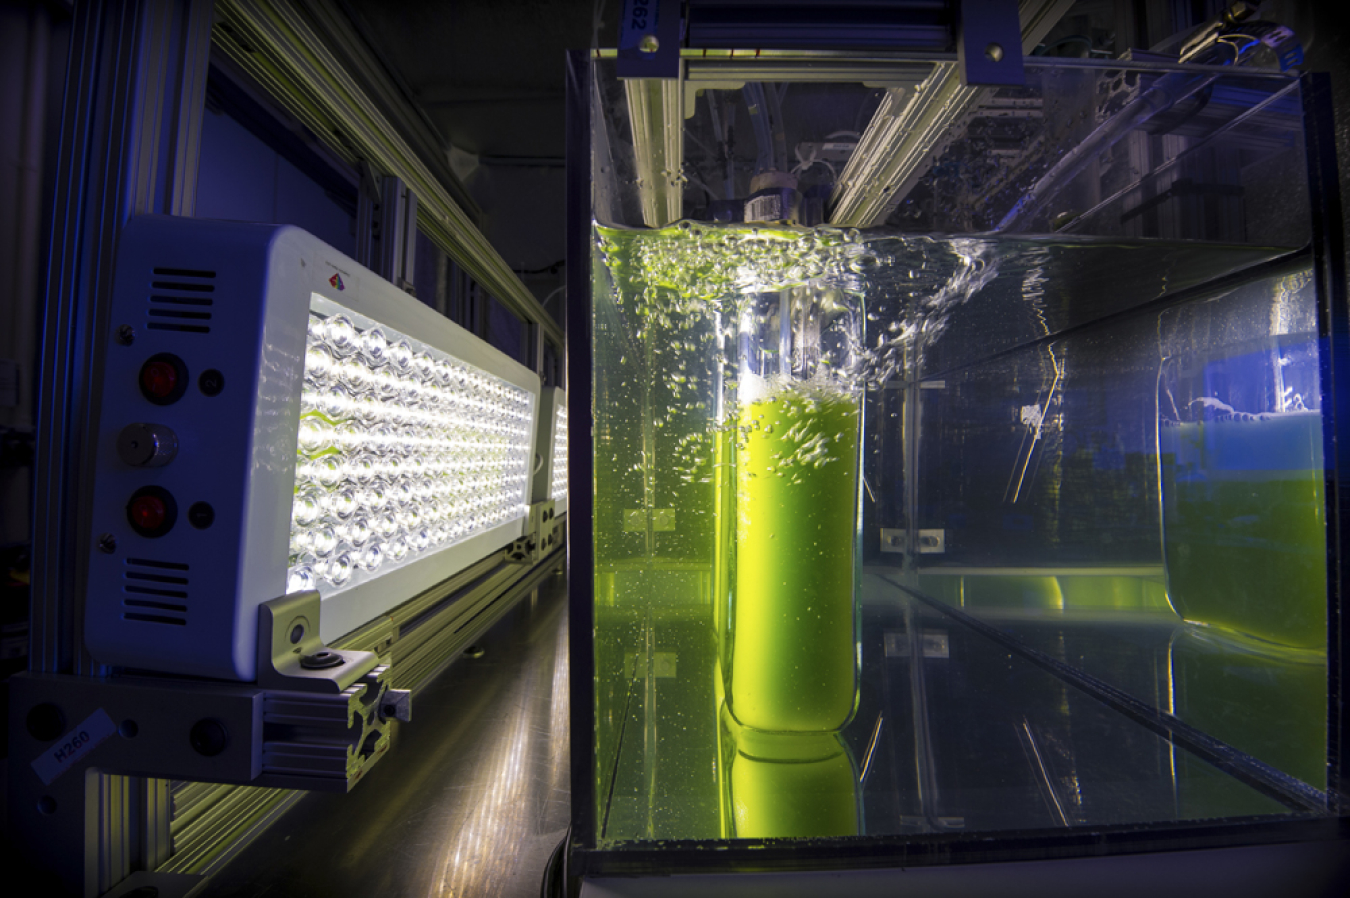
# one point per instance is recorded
(640, 11)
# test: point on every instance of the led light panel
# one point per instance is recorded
(402, 450)
(277, 418)
(558, 481)
(550, 477)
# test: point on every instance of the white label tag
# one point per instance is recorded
(73, 746)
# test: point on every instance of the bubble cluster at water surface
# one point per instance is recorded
(687, 297)
(906, 285)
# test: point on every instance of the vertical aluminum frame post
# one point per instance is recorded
(386, 227)
(1329, 273)
(656, 113)
(130, 130)
(397, 233)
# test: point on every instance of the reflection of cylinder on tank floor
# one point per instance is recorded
(1244, 527)
(1267, 701)
(788, 785)
(793, 663)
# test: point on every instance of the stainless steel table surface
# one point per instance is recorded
(472, 799)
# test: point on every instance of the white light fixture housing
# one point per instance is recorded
(276, 418)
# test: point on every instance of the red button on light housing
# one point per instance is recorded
(163, 378)
(148, 512)
(159, 379)
(152, 511)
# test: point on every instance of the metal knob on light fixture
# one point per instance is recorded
(147, 445)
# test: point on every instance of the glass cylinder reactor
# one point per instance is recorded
(793, 665)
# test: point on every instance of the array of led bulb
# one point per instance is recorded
(558, 482)
(402, 450)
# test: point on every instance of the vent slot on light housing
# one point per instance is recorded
(157, 591)
(181, 300)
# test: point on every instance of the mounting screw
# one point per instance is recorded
(994, 53)
(322, 660)
(649, 43)
(107, 543)
(126, 335)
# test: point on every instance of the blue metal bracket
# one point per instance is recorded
(649, 39)
(989, 44)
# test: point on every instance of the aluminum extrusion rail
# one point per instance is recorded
(214, 823)
(275, 43)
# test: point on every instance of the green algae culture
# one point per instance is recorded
(787, 785)
(793, 659)
(1267, 701)
(1244, 528)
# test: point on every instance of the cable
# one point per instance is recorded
(1047, 49)
(550, 269)
(803, 163)
(597, 19)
